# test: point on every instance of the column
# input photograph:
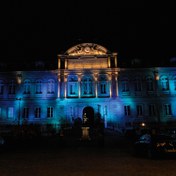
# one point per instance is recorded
(110, 84)
(116, 80)
(109, 62)
(65, 86)
(115, 59)
(59, 85)
(96, 84)
(79, 85)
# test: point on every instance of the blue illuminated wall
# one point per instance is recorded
(124, 98)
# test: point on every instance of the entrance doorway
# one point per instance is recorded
(89, 113)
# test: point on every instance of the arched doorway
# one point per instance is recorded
(89, 113)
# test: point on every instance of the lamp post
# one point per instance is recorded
(156, 77)
(19, 80)
(19, 111)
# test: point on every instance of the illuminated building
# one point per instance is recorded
(89, 81)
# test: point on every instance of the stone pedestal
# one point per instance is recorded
(85, 133)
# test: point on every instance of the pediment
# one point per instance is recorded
(86, 49)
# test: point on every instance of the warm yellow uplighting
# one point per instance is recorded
(19, 78)
(87, 63)
(143, 124)
(157, 77)
(86, 49)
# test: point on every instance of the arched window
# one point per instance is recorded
(103, 86)
(150, 85)
(12, 87)
(174, 83)
(137, 84)
(1, 87)
(50, 86)
(164, 83)
(27, 87)
(38, 87)
(72, 86)
(125, 85)
(87, 86)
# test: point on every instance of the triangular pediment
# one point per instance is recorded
(87, 49)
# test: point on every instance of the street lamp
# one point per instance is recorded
(19, 80)
(19, 111)
(156, 78)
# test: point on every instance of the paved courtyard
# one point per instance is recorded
(81, 158)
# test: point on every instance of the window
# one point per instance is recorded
(175, 83)
(152, 111)
(87, 86)
(149, 84)
(1, 87)
(72, 88)
(50, 112)
(37, 112)
(10, 112)
(167, 109)
(50, 87)
(38, 87)
(103, 86)
(26, 112)
(137, 85)
(127, 110)
(27, 87)
(139, 110)
(125, 85)
(164, 83)
(12, 87)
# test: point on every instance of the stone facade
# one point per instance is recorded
(89, 82)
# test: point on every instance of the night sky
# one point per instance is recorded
(40, 30)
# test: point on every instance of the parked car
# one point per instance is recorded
(2, 142)
(155, 145)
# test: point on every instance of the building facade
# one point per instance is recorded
(88, 82)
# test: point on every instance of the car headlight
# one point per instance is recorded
(161, 144)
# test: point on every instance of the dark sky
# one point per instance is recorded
(40, 30)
